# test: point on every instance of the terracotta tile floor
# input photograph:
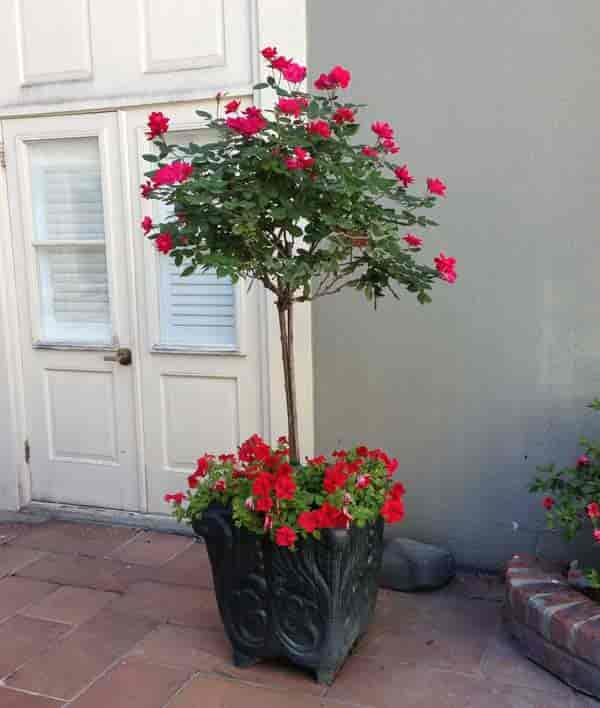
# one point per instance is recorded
(95, 616)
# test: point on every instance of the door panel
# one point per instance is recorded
(66, 208)
(201, 342)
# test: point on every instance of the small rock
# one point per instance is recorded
(410, 565)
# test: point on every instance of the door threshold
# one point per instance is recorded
(46, 511)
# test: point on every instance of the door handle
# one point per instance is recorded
(122, 355)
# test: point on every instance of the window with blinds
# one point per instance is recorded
(199, 310)
(69, 240)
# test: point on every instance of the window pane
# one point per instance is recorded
(67, 206)
(198, 310)
(74, 295)
(67, 190)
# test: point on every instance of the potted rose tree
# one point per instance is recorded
(285, 198)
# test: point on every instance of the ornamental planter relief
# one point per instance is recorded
(285, 197)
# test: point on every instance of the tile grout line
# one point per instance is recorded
(109, 556)
(27, 692)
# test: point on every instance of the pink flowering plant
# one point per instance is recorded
(270, 496)
(286, 197)
(572, 495)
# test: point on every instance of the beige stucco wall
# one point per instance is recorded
(501, 100)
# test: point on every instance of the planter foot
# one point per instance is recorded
(243, 661)
(325, 676)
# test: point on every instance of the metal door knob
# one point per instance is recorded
(122, 355)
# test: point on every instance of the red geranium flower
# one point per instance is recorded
(393, 510)
(309, 520)
(263, 484)
(593, 510)
(285, 536)
(264, 504)
(285, 487)
(335, 477)
(397, 491)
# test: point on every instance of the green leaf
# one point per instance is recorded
(150, 157)
(204, 114)
(259, 87)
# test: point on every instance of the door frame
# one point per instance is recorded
(270, 26)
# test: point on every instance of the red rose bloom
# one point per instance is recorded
(294, 73)
(319, 127)
(177, 498)
(446, 268)
(302, 160)
(177, 171)
(436, 186)
(309, 520)
(383, 130)
(146, 189)
(269, 53)
(249, 124)
(393, 510)
(413, 241)
(404, 175)
(370, 151)
(324, 83)
(390, 146)
(289, 106)
(147, 224)
(343, 115)
(339, 76)
(157, 125)
(280, 63)
(232, 106)
(164, 243)
(285, 487)
(548, 503)
(285, 536)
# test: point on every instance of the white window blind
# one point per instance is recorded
(69, 240)
(199, 310)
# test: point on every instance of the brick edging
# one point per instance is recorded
(558, 626)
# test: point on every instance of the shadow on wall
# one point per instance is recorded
(491, 379)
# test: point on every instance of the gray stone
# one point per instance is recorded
(410, 565)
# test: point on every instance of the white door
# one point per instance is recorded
(201, 341)
(71, 256)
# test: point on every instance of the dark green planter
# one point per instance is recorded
(310, 606)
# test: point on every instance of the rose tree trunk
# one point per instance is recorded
(286, 331)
